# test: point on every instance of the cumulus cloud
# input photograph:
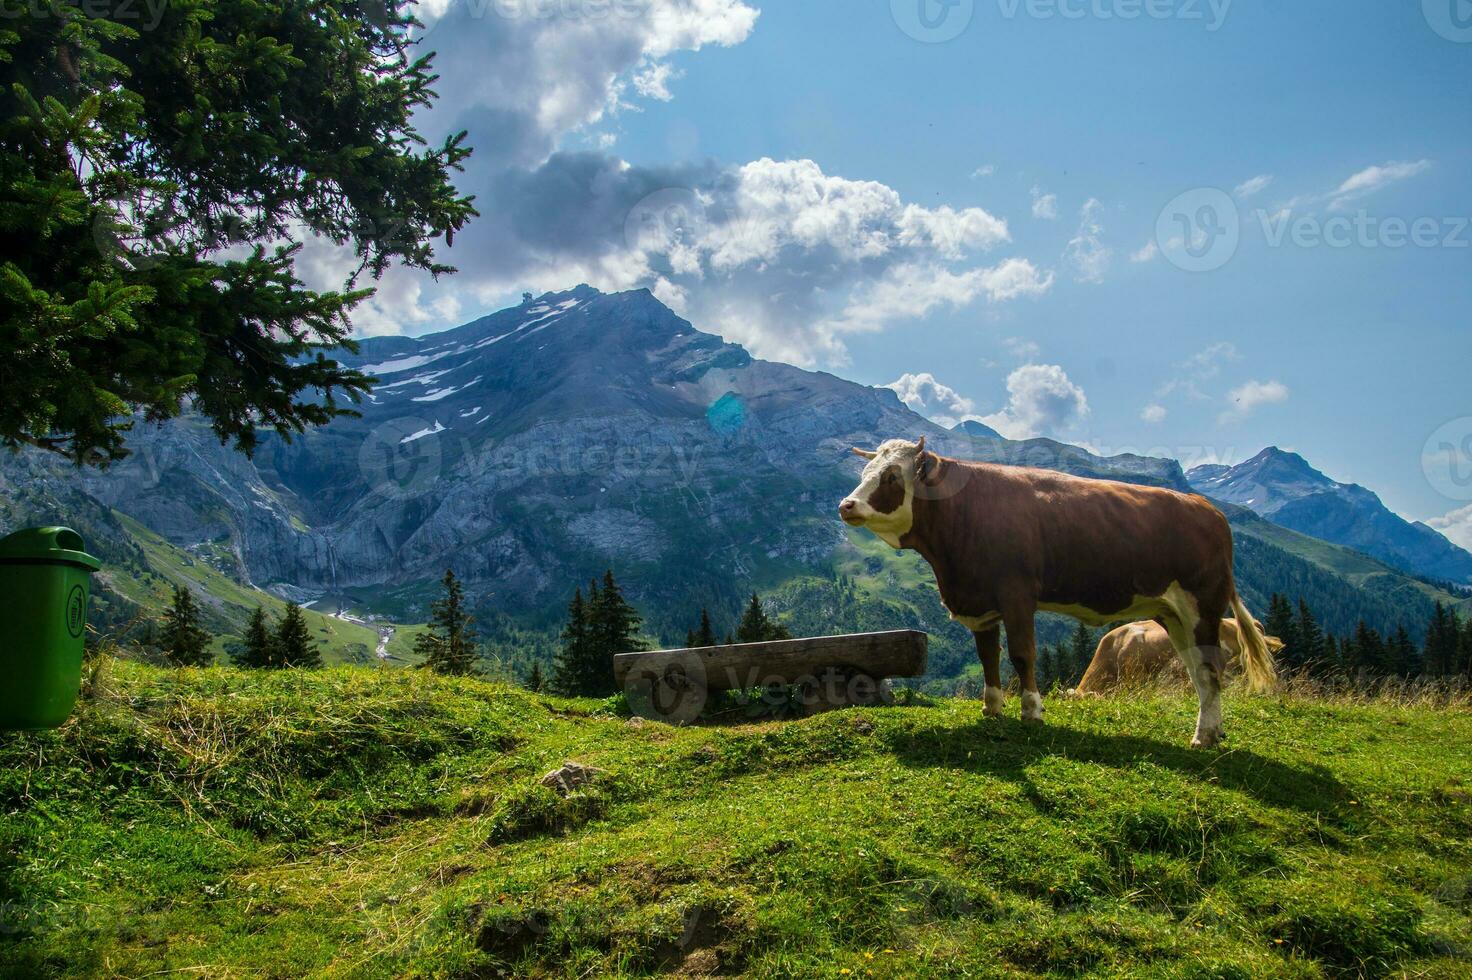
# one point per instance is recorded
(1248, 397)
(1146, 253)
(1253, 185)
(1040, 400)
(1086, 251)
(985, 170)
(776, 254)
(1153, 413)
(1044, 206)
(1456, 525)
(940, 403)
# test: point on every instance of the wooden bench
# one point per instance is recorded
(825, 671)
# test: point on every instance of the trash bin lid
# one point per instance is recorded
(44, 546)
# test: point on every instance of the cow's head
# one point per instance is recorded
(882, 500)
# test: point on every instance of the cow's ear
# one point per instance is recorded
(925, 466)
(863, 452)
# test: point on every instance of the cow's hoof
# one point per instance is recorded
(1032, 706)
(991, 703)
(1208, 739)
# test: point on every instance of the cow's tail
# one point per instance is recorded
(1257, 661)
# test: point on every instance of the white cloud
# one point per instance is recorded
(1208, 363)
(1252, 185)
(985, 170)
(1040, 400)
(653, 80)
(1147, 252)
(1044, 206)
(1456, 525)
(1153, 413)
(905, 291)
(940, 403)
(1373, 178)
(1246, 398)
(1086, 251)
(1022, 349)
(1355, 186)
(775, 254)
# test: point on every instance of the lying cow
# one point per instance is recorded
(1139, 653)
(1007, 541)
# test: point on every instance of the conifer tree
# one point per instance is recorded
(614, 625)
(534, 679)
(293, 642)
(1440, 654)
(1280, 621)
(570, 667)
(1402, 657)
(260, 646)
(756, 626)
(1080, 653)
(185, 642)
(704, 636)
(150, 177)
(1308, 639)
(448, 644)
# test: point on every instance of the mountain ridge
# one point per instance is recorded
(1286, 489)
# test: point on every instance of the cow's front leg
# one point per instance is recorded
(989, 651)
(1022, 649)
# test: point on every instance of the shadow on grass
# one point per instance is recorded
(1005, 748)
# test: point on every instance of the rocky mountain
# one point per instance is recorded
(537, 446)
(1283, 487)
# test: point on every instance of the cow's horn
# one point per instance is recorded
(864, 453)
(920, 446)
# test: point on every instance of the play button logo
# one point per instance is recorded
(1452, 19)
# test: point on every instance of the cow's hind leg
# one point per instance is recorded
(1195, 634)
(989, 651)
(1022, 650)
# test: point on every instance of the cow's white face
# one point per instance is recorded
(882, 500)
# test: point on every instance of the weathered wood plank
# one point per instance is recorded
(742, 666)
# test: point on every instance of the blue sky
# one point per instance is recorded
(991, 206)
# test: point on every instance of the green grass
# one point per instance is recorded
(354, 822)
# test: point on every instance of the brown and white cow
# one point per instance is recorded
(1007, 541)
(1136, 654)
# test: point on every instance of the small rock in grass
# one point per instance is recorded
(569, 777)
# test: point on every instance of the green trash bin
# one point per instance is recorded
(45, 579)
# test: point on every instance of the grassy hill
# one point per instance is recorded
(353, 822)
